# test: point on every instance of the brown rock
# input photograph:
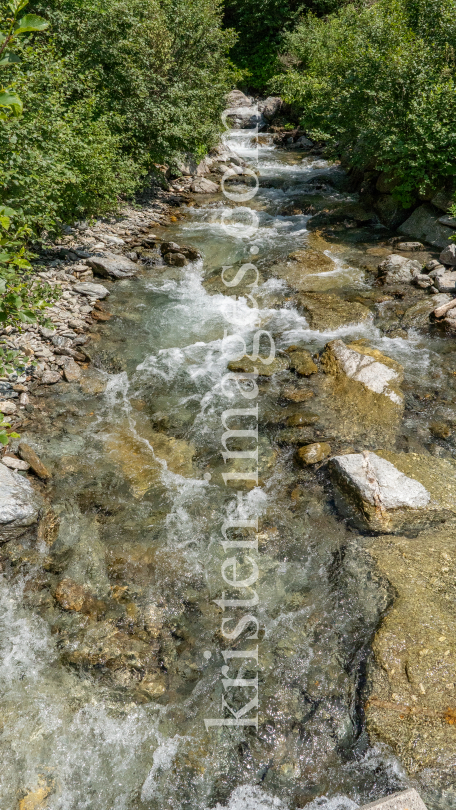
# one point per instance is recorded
(294, 394)
(313, 453)
(71, 371)
(77, 598)
(302, 419)
(28, 454)
(301, 362)
(175, 259)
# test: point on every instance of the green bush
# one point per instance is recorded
(379, 83)
(261, 25)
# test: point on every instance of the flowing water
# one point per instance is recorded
(104, 706)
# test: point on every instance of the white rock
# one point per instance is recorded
(397, 269)
(380, 483)
(19, 505)
(93, 290)
(407, 800)
(7, 407)
(363, 368)
(15, 463)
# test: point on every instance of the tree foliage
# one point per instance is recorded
(379, 82)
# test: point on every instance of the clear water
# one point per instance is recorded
(140, 528)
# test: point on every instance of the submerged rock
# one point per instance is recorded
(19, 505)
(412, 676)
(389, 492)
(301, 362)
(366, 366)
(328, 312)
(313, 453)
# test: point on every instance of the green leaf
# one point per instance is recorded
(31, 22)
(9, 59)
(2, 286)
(11, 100)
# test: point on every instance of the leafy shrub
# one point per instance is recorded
(379, 83)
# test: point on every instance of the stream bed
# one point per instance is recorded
(112, 640)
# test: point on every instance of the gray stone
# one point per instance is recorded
(51, 377)
(112, 265)
(15, 463)
(392, 493)
(302, 143)
(397, 269)
(390, 211)
(204, 186)
(270, 107)
(446, 282)
(443, 199)
(187, 166)
(449, 221)
(448, 256)
(422, 280)
(406, 800)
(93, 290)
(424, 225)
(71, 371)
(19, 505)
(7, 407)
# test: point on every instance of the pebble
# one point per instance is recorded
(7, 407)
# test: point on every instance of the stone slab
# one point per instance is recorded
(406, 800)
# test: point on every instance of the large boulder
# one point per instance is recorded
(246, 118)
(411, 676)
(398, 270)
(392, 493)
(424, 225)
(362, 399)
(270, 107)
(112, 265)
(20, 505)
(236, 98)
(390, 211)
(187, 166)
(446, 283)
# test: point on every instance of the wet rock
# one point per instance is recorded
(369, 367)
(248, 366)
(303, 268)
(104, 646)
(154, 617)
(374, 495)
(301, 362)
(440, 430)
(302, 419)
(313, 453)
(446, 282)
(34, 800)
(448, 256)
(93, 381)
(424, 225)
(92, 290)
(296, 436)
(71, 371)
(328, 312)
(406, 800)
(294, 394)
(19, 505)
(418, 314)
(362, 399)
(76, 598)
(412, 681)
(28, 454)
(397, 269)
(204, 186)
(112, 265)
(175, 259)
(246, 117)
(392, 492)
